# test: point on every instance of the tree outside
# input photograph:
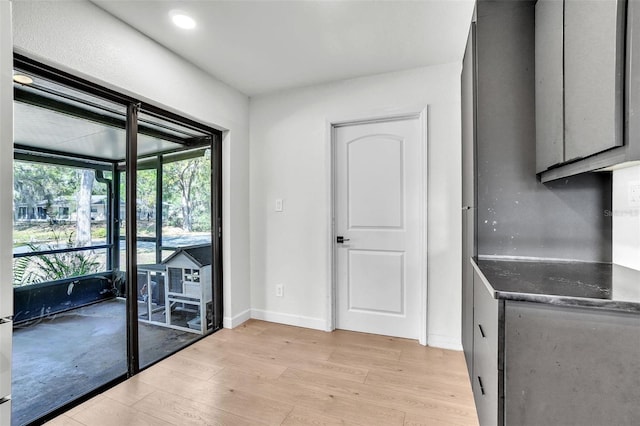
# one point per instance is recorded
(187, 186)
(53, 209)
(65, 207)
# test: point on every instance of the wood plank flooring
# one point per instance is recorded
(270, 374)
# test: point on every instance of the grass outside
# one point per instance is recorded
(42, 233)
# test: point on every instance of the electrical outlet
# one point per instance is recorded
(279, 290)
(634, 194)
(279, 206)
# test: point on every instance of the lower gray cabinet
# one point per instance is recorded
(486, 378)
(543, 364)
(570, 366)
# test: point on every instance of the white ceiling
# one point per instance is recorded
(264, 46)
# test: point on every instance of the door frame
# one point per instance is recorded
(421, 114)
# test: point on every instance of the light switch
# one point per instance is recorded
(279, 205)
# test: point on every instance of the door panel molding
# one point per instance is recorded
(358, 298)
(393, 147)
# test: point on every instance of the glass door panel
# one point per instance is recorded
(174, 237)
(69, 333)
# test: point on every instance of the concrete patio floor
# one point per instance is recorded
(62, 357)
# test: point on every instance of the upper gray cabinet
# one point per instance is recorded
(579, 56)
(549, 84)
(632, 92)
(593, 76)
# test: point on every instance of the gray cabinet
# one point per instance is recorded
(570, 366)
(486, 377)
(579, 79)
(593, 76)
(549, 84)
(467, 287)
(468, 95)
(545, 364)
(468, 193)
(632, 141)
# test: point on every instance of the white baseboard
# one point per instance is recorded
(444, 342)
(232, 322)
(289, 319)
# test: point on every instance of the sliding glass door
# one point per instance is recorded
(116, 243)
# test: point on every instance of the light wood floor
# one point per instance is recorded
(265, 373)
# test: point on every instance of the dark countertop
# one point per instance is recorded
(595, 285)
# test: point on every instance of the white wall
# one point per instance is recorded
(626, 218)
(289, 160)
(80, 38)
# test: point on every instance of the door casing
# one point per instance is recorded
(421, 114)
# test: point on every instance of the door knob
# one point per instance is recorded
(340, 239)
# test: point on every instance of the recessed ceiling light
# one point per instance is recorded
(182, 20)
(22, 79)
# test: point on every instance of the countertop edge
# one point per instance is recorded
(557, 300)
(484, 279)
(570, 301)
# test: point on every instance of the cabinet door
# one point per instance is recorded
(485, 353)
(468, 194)
(467, 286)
(468, 121)
(5, 358)
(633, 80)
(5, 413)
(593, 76)
(549, 84)
(570, 366)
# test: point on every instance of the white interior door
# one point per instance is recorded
(379, 213)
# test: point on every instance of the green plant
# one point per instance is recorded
(20, 270)
(50, 267)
